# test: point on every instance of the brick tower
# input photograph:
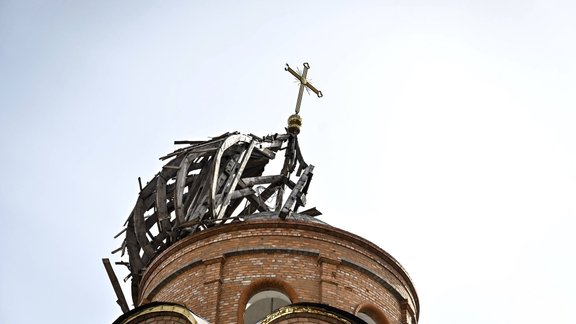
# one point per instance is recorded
(215, 237)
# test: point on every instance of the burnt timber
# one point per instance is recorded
(208, 183)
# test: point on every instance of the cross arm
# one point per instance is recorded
(295, 74)
(316, 91)
(303, 80)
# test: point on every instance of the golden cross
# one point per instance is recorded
(303, 83)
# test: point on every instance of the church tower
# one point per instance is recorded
(218, 236)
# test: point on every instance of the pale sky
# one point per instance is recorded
(445, 135)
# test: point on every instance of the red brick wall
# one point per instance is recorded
(214, 272)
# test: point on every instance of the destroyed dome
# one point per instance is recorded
(214, 182)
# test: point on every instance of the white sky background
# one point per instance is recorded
(446, 136)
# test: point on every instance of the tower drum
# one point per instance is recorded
(264, 269)
(213, 238)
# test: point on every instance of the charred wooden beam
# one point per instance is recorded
(296, 192)
(161, 207)
(311, 212)
(205, 147)
(188, 142)
(181, 184)
(259, 202)
(204, 184)
(227, 191)
(255, 200)
(116, 285)
(140, 228)
(252, 181)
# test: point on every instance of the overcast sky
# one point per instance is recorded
(445, 135)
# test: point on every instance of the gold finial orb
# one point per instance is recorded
(294, 124)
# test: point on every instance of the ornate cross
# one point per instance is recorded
(303, 83)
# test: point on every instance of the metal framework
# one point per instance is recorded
(213, 182)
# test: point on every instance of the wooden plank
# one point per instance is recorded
(198, 185)
(190, 223)
(116, 285)
(311, 212)
(188, 142)
(189, 180)
(149, 188)
(199, 193)
(122, 247)
(161, 207)
(290, 183)
(118, 249)
(296, 192)
(254, 200)
(133, 247)
(242, 193)
(266, 152)
(208, 144)
(180, 185)
(252, 181)
(175, 162)
(226, 144)
(259, 202)
(203, 149)
(201, 206)
(258, 138)
(221, 210)
(157, 242)
(276, 141)
(279, 198)
(122, 231)
(140, 227)
(205, 203)
(301, 199)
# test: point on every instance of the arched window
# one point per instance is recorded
(371, 314)
(262, 304)
(366, 318)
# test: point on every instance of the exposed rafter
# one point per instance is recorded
(209, 183)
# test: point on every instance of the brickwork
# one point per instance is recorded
(214, 272)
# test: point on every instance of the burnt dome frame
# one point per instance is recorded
(208, 183)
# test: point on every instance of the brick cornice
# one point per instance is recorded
(340, 234)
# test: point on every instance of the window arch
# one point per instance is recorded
(263, 297)
(371, 314)
(262, 304)
(366, 318)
